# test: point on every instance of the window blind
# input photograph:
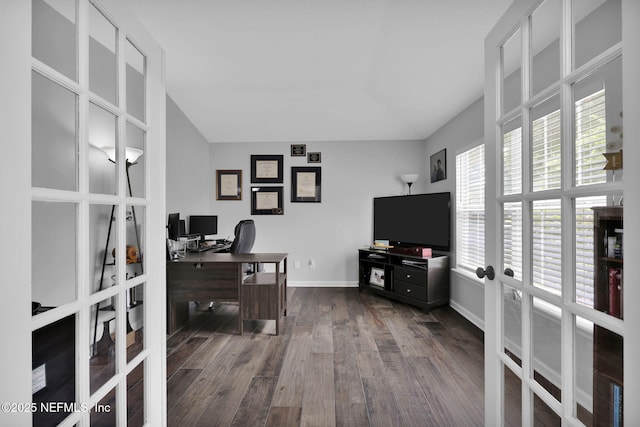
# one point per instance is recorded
(470, 208)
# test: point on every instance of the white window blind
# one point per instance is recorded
(546, 142)
(470, 208)
(590, 136)
(512, 161)
(590, 144)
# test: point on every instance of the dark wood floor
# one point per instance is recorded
(343, 358)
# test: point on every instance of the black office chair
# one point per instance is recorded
(245, 236)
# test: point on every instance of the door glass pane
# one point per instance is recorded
(54, 35)
(609, 260)
(103, 342)
(545, 337)
(512, 321)
(135, 321)
(545, 45)
(135, 160)
(104, 413)
(102, 56)
(597, 26)
(512, 156)
(546, 140)
(512, 72)
(135, 397)
(583, 369)
(543, 416)
(598, 125)
(102, 155)
(512, 398)
(54, 146)
(53, 360)
(102, 240)
(54, 252)
(585, 248)
(547, 249)
(608, 390)
(512, 235)
(136, 79)
(135, 241)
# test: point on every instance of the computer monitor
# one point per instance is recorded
(204, 225)
(173, 226)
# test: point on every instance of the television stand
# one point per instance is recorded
(422, 282)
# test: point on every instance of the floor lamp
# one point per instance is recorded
(131, 157)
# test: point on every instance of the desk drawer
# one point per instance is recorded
(197, 281)
(416, 276)
(410, 290)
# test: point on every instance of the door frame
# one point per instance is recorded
(494, 377)
(16, 321)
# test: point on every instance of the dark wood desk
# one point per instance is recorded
(211, 276)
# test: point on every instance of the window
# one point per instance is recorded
(470, 208)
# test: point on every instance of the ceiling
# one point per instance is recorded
(321, 70)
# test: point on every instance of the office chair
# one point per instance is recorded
(245, 236)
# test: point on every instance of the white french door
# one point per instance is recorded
(554, 99)
(89, 151)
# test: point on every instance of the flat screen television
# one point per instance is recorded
(204, 225)
(415, 220)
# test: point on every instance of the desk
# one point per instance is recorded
(211, 276)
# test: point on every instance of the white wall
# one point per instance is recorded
(330, 232)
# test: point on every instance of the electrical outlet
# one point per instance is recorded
(296, 265)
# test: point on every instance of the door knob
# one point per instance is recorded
(508, 272)
(489, 272)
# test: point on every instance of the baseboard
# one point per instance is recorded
(467, 315)
(324, 284)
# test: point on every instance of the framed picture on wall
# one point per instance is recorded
(266, 169)
(315, 157)
(228, 184)
(267, 201)
(439, 166)
(306, 184)
(298, 150)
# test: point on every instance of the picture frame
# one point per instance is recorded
(376, 277)
(306, 184)
(267, 201)
(228, 184)
(438, 166)
(267, 168)
(298, 150)
(315, 157)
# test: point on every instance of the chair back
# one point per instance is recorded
(245, 236)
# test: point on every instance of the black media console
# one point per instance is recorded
(422, 282)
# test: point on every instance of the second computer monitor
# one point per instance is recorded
(205, 225)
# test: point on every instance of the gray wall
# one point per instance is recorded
(330, 232)
(463, 131)
(189, 188)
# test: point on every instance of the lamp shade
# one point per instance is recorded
(131, 154)
(409, 178)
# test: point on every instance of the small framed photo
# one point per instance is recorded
(228, 184)
(267, 201)
(306, 184)
(266, 169)
(298, 150)
(439, 166)
(377, 277)
(315, 157)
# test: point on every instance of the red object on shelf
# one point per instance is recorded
(614, 292)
